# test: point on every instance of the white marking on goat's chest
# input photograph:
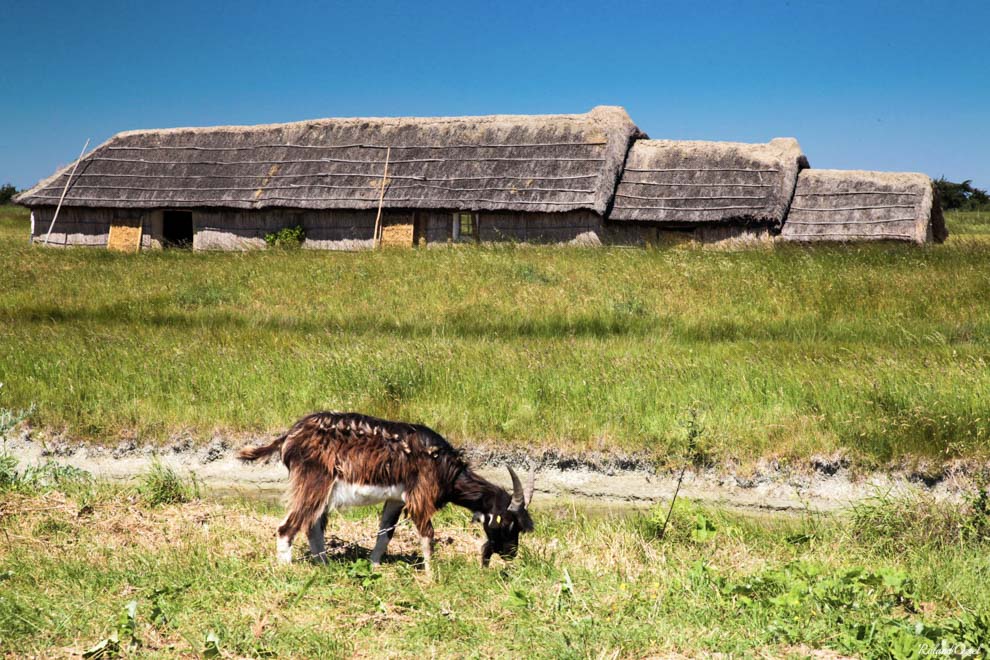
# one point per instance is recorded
(345, 494)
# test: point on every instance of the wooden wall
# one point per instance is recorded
(339, 229)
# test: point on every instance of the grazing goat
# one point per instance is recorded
(338, 460)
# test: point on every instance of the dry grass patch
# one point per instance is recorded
(202, 573)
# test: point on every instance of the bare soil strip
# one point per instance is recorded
(599, 480)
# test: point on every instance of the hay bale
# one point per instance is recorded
(850, 205)
(690, 184)
(125, 235)
(397, 235)
(533, 163)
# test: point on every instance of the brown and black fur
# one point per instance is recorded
(325, 446)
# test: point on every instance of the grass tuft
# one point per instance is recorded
(161, 485)
(8, 471)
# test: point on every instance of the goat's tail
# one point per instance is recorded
(254, 453)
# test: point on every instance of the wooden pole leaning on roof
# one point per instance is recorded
(381, 199)
(65, 190)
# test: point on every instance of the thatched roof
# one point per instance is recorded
(497, 162)
(685, 183)
(841, 205)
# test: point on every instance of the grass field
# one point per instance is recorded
(84, 564)
(879, 349)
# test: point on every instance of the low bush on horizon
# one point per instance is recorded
(880, 351)
(7, 192)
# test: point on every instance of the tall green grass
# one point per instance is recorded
(880, 349)
(969, 223)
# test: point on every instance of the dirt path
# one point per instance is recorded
(597, 481)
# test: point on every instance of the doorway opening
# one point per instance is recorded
(177, 229)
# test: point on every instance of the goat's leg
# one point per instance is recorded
(283, 544)
(426, 543)
(486, 554)
(390, 518)
(310, 489)
(316, 536)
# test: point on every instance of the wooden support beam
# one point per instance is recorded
(381, 200)
(65, 190)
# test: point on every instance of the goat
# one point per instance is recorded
(339, 460)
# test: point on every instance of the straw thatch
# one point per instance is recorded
(683, 183)
(838, 205)
(544, 163)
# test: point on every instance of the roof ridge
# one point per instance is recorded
(592, 114)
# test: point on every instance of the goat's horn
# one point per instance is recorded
(530, 487)
(518, 497)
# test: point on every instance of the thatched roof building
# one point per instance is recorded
(840, 205)
(549, 163)
(353, 183)
(689, 184)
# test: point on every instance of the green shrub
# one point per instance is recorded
(56, 476)
(161, 485)
(45, 477)
(690, 523)
(8, 471)
(868, 613)
(287, 237)
(7, 192)
(976, 523)
(11, 419)
(961, 195)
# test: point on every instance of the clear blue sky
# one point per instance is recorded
(867, 85)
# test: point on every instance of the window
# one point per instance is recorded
(466, 226)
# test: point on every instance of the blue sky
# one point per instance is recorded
(865, 85)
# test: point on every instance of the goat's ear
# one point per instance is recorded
(478, 517)
(524, 520)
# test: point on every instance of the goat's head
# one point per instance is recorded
(504, 527)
